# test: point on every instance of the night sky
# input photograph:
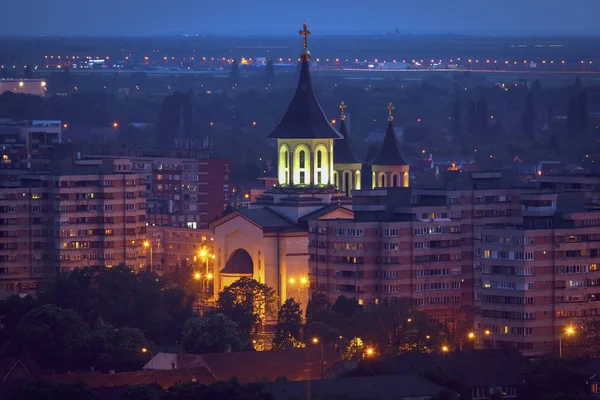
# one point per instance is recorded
(148, 17)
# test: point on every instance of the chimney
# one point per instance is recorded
(227, 348)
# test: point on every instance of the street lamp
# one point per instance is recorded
(369, 352)
(148, 245)
(569, 331)
(316, 340)
(445, 349)
(488, 333)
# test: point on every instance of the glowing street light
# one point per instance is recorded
(471, 335)
(144, 350)
(197, 276)
(569, 331)
(369, 352)
(292, 280)
(148, 245)
(445, 349)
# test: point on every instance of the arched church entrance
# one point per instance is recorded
(238, 265)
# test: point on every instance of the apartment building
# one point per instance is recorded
(85, 213)
(184, 187)
(26, 145)
(175, 247)
(411, 242)
(536, 278)
(515, 264)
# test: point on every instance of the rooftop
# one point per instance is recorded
(304, 118)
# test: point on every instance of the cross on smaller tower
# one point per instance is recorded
(390, 108)
(343, 108)
(304, 33)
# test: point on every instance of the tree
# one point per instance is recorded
(528, 117)
(27, 73)
(269, 72)
(74, 291)
(247, 303)
(234, 74)
(289, 325)
(140, 392)
(54, 337)
(573, 116)
(588, 338)
(483, 116)
(12, 311)
(536, 89)
(345, 306)
(352, 349)
(318, 307)
(582, 111)
(472, 118)
(222, 390)
(326, 333)
(210, 334)
(117, 348)
(556, 378)
(456, 119)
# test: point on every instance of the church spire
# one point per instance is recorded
(343, 109)
(304, 118)
(343, 151)
(390, 152)
(304, 32)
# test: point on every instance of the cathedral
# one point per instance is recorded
(317, 170)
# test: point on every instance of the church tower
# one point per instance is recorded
(304, 135)
(347, 166)
(390, 168)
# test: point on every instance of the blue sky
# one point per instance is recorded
(143, 17)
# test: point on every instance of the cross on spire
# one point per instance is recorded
(390, 108)
(304, 33)
(343, 108)
(305, 55)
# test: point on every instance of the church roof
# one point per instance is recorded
(239, 263)
(266, 218)
(390, 152)
(304, 118)
(343, 152)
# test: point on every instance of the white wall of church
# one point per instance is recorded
(273, 265)
(238, 233)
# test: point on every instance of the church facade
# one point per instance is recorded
(317, 171)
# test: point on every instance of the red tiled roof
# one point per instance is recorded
(256, 366)
(6, 364)
(91, 379)
(164, 378)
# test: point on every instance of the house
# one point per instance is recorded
(162, 378)
(479, 373)
(253, 366)
(591, 372)
(385, 387)
(13, 375)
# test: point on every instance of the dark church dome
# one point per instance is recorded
(239, 263)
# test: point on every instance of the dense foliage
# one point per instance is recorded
(248, 303)
(213, 333)
(96, 318)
